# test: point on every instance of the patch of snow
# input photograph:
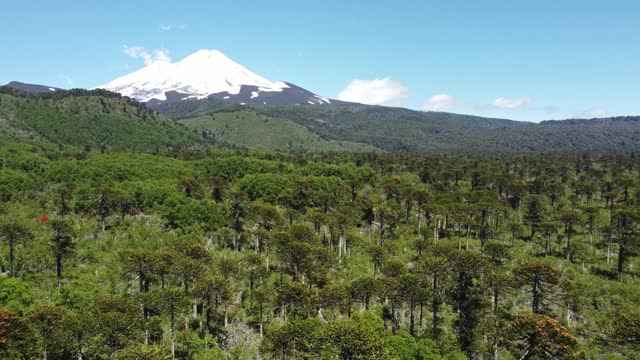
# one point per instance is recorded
(254, 94)
(311, 102)
(324, 99)
(52, 89)
(200, 74)
(281, 85)
(226, 97)
(243, 103)
(270, 89)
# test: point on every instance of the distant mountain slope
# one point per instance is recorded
(406, 130)
(398, 129)
(31, 88)
(99, 117)
(255, 131)
(208, 73)
(617, 120)
(91, 118)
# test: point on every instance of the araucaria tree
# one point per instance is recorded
(62, 242)
(542, 280)
(14, 232)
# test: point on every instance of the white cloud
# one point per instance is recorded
(505, 103)
(439, 102)
(593, 113)
(170, 27)
(149, 57)
(374, 92)
(551, 109)
(68, 81)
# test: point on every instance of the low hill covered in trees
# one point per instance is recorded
(398, 129)
(91, 118)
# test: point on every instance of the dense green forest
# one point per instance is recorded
(199, 253)
(249, 129)
(95, 119)
(399, 129)
(105, 120)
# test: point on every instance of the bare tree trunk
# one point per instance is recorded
(59, 269)
(226, 315)
(412, 322)
(434, 308)
(172, 328)
(535, 303)
(12, 271)
(621, 256)
(609, 245)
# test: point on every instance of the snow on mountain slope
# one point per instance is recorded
(205, 73)
(31, 88)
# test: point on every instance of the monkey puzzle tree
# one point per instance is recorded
(102, 202)
(15, 336)
(410, 286)
(625, 331)
(218, 186)
(173, 302)
(484, 203)
(535, 336)
(435, 269)
(14, 232)
(626, 220)
(118, 322)
(548, 229)
(47, 321)
(570, 218)
(335, 296)
(534, 214)
(213, 291)
(62, 244)
(363, 289)
(63, 199)
(541, 277)
(467, 268)
(139, 263)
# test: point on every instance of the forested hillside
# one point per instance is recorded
(249, 129)
(398, 129)
(235, 254)
(91, 118)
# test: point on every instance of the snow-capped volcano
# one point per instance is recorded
(207, 73)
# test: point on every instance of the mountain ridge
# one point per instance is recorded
(347, 127)
(31, 88)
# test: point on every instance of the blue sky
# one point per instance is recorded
(525, 60)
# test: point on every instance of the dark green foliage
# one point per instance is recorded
(398, 129)
(311, 339)
(94, 122)
(625, 331)
(241, 254)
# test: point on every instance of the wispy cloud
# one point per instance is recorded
(593, 113)
(439, 102)
(505, 103)
(374, 92)
(551, 109)
(149, 57)
(171, 27)
(65, 79)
